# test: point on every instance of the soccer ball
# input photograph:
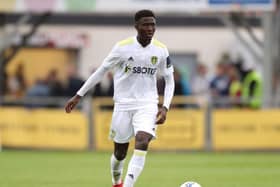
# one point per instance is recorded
(190, 184)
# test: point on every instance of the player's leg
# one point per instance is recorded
(144, 125)
(117, 162)
(137, 161)
(121, 131)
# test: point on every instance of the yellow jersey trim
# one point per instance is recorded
(158, 44)
(127, 41)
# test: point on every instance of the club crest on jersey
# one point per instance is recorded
(154, 60)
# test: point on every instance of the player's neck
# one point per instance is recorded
(143, 42)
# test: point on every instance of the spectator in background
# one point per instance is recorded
(235, 87)
(220, 83)
(73, 83)
(39, 89)
(200, 84)
(54, 84)
(200, 81)
(17, 83)
(251, 84)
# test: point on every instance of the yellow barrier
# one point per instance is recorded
(244, 129)
(102, 121)
(43, 128)
(183, 130)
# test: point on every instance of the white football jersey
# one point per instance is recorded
(135, 72)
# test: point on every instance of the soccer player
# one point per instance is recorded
(135, 62)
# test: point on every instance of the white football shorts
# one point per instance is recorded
(126, 124)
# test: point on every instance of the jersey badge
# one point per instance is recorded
(154, 60)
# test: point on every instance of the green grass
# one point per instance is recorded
(91, 169)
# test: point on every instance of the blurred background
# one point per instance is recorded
(225, 112)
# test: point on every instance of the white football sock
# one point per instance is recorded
(135, 167)
(116, 170)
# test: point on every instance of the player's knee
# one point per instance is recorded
(141, 146)
(142, 142)
(120, 155)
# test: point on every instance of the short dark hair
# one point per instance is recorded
(143, 13)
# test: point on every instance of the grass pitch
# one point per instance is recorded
(91, 169)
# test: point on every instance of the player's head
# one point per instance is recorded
(145, 24)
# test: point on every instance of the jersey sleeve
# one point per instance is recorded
(109, 62)
(113, 58)
(166, 67)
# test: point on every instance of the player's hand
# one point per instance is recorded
(161, 115)
(71, 103)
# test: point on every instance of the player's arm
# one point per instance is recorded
(168, 95)
(167, 72)
(110, 61)
(91, 82)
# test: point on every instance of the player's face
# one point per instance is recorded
(146, 28)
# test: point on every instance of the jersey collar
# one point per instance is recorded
(139, 45)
